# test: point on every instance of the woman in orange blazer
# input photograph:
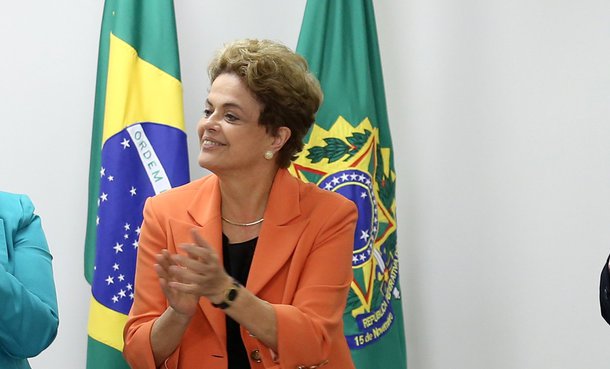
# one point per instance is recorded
(247, 267)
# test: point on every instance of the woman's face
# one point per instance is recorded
(230, 137)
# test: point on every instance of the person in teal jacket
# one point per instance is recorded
(28, 304)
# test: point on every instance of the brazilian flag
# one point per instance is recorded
(349, 151)
(138, 149)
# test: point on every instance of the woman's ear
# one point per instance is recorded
(281, 137)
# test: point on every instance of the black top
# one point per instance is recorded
(237, 258)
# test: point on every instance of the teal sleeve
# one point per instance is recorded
(28, 304)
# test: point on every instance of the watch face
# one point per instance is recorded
(232, 294)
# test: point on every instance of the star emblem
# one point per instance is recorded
(364, 235)
(118, 247)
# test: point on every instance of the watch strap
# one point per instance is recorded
(230, 295)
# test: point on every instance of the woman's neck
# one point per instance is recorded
(244, 197)
(243, 201)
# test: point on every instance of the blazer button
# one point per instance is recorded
(255, 355)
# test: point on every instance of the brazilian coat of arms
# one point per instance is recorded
(350, 161)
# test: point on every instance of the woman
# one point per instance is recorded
(247, 267)
(28, 305)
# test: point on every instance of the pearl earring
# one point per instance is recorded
(268, 154)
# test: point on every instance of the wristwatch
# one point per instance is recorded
(230, 296)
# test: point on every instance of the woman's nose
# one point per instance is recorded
(209, 123)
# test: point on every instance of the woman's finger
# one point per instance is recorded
(195, 251)
(183, 287)
(164, 259)
(202, 253)
(185, 275)
(196, 265)
(200, 241)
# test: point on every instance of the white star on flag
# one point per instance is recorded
(125, 143)
(121, 277)
(118, 247)
(127, 226)
(102, 172)
(364, 235)
(104, 196)
(115, 266)
(110, 280)
(396, 293)
(132, 191)
(111, 178)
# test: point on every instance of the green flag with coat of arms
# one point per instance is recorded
(349, 151)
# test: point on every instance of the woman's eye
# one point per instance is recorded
(207, 113)
(230, 118)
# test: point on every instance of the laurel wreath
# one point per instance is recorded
(386, 184)
(336, 148)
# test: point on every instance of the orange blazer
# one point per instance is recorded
(301, 265)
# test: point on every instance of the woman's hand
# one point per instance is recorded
(199, 273)
(181, 302)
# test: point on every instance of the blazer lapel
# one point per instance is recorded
(279, 236)
(205, 213)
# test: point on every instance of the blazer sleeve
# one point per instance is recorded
(28, 304)
(604, 292)
(307, 326)
(149, 302)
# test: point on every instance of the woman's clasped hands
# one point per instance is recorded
(184, 278)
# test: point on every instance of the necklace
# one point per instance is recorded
(242, 224)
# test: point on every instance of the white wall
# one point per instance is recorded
(499, 113)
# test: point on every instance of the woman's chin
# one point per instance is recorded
(205, 162)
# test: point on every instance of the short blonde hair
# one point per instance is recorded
(281, 81)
